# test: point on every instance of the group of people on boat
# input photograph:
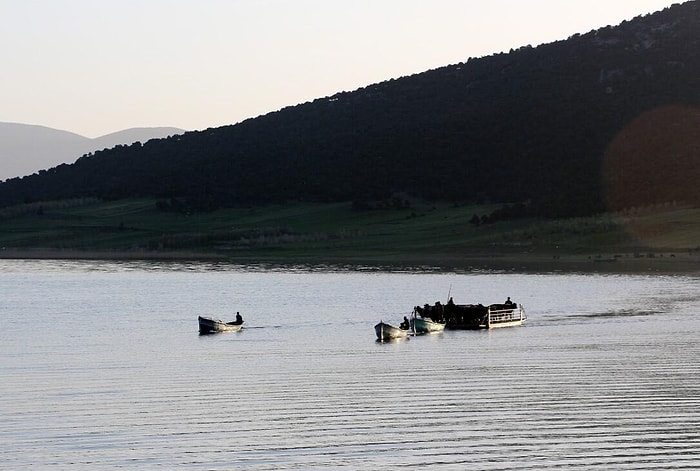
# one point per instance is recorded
(436, 312)
(443, 312)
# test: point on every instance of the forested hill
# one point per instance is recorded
(609, 117)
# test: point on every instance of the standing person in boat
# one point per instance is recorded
(450, 305)
(440, 312)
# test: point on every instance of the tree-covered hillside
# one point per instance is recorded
(610, 118)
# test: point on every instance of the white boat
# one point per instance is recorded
(420, 325)
(207, 325)
(389, 332)
(504, 315)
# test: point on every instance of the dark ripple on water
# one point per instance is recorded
(590, 389)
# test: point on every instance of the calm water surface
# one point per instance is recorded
(102, 368)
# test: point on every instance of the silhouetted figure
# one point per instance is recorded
(439, 312)
(508, 302)
(405, 324)
(239, 319)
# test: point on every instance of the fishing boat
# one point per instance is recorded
(474, 316)
(207, 325)
(421, 325)
(386, 332)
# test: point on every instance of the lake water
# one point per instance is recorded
(102, 367)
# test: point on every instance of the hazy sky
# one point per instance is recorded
(99, 66)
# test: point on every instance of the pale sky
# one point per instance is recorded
(98, 66)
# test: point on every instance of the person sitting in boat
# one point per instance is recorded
(405, 324)
(239, 319)
(508, 302)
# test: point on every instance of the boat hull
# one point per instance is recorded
(420, 325)
(389, 332)
(207, 325)
(505, 324)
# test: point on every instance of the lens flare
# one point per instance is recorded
(655, 160)
(654, 164)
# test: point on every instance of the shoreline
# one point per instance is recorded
(681, 263)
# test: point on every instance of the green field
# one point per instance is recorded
(436, 234)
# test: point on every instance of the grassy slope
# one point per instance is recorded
(430, 234)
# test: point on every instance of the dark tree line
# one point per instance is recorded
(534, 125)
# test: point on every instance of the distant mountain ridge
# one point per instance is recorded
(26, 148)
(605, 120)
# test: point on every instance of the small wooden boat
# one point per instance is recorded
(389, 332)
(420, 325)
(207, 325)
